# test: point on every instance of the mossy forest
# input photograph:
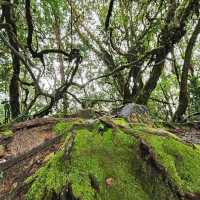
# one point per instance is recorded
(99, 99)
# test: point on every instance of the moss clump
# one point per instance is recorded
(142, 128)
(107, 156)
(110, 155)
(121, 121)
(48, 179)
(180, 160)
(63, 127)
(6, 133)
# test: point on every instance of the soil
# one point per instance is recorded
(29, 138)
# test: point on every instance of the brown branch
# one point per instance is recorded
(103, 100)
(57, 95)
(36, 54)
(118, 50)
(175, 67)
(75, 97)
(26, 83)
(30, 26)
(24, 61)
(47, 51)
(109, 14)
(159, 101)
(115, 71)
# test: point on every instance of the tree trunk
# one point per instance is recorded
(183, 95)
(169, 36)
(151, 83)
(8, 13)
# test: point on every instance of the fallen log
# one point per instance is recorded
(34, 123)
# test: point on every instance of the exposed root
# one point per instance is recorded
(34, 123)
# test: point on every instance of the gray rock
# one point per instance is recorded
(132, 108)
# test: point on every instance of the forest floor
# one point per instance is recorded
(190, 135)
(25, 152)
(31, 145)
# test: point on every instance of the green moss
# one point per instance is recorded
(110, 155)
(115, 154)
(61, 127)
(121, 121)
(180, 160)
(6, 133)
(48, 179)
(64, 126)
(105, 156)
(139, 128)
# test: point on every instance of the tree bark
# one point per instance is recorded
(169, 36)
(8, 14)
(183, 94)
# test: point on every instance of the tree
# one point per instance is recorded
(19, 52)
(8, 16)
(183, 96)
(139, 48)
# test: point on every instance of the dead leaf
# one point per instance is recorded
(109, 181)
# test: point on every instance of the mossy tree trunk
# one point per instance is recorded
(9, 16)
(183, 95)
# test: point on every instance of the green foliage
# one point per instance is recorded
(136, 34)
(194, 89)
(2, 117)
(161, 104)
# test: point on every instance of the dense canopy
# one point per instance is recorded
(60, 56)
